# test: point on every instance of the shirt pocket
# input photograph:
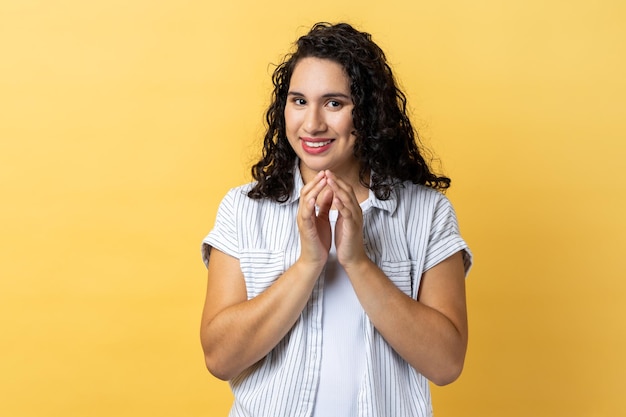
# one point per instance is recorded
(401, 274)
(261, 268)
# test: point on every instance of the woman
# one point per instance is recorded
(336, 279)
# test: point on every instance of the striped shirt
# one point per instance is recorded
(412, 231)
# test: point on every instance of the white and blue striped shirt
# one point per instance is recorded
(412, 231)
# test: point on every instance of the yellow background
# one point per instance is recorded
(123, 123)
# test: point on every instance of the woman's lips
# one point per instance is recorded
(316, 146)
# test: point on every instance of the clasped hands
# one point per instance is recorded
(327, 191)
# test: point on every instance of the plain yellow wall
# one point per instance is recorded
(123, 123)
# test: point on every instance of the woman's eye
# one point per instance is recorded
(299, 101)
(334, 103)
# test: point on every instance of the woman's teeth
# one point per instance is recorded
(317, 144)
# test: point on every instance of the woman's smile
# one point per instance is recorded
(316, 146)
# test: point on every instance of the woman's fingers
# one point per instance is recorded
(325, 202)
(309, 193)
(345, 199)
(349, 227)
(315, 227)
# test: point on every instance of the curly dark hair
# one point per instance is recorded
(386, 143)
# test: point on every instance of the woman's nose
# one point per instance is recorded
(314, 120)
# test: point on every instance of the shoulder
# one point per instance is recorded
(237, 202)
(238, 193)
(241, 189)
(419, 205)
(409, 194)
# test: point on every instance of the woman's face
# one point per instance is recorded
(318, 118)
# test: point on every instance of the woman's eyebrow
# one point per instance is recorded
(327, 95)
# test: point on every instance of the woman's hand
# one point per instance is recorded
(315, 233)
(349, 227)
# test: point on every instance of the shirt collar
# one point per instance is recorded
(388, 205)
(298, 183)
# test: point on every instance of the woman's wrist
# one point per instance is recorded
(308, 269)
(358, 267)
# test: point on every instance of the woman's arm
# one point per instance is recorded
(430, 333)
(237, 332)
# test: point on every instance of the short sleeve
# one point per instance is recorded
(445, 239)
(223, 236)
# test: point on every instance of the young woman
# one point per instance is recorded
(336, 280)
